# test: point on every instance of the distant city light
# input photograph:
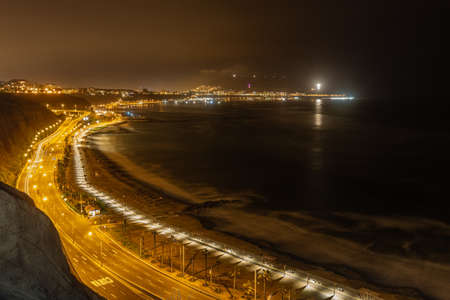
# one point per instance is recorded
(342, 98)
(318, 86)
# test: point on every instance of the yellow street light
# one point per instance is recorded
(90, 233)
(45, 198)
(34, 187)
(50, 184)
(45, 174)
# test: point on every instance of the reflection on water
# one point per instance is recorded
(318, 114)
(316, 156)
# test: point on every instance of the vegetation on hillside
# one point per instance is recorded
(55, 101)
(20, 119)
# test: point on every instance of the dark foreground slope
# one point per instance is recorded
(20, 119)
(32, 263)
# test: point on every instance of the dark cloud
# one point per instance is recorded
(359, 46)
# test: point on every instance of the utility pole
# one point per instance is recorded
(154, 243)
(255, 284)
(264, 286)
(171, 261)
(182, 272)
(193, 263)
(179, 260)
(234, 277)
(162, 254)
(206, 266)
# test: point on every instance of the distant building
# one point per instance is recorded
(70, 91)
(22, 86)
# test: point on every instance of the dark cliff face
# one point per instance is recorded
(20, 119)
(32, 262)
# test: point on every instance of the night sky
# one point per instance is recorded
(366, 48)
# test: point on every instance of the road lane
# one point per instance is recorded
(93, 268)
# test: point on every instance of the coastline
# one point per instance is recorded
(203, 219)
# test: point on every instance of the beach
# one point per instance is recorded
(305, 241)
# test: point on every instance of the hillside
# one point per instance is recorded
(20, 119)
(55, 101)
(32, 264)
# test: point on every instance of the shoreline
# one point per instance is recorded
(180, 214)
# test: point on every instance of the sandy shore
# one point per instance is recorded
(315, 251)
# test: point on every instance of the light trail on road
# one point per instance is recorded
(103, 272)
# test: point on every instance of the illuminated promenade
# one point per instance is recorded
(100, 263)
(115, 272)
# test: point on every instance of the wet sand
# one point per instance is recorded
(111, 172)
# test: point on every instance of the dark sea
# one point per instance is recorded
(359, 156)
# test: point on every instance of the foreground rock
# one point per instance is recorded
(32, 262)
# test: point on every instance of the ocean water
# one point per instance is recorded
(309, 156)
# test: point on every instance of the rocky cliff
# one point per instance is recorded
(32, 262)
